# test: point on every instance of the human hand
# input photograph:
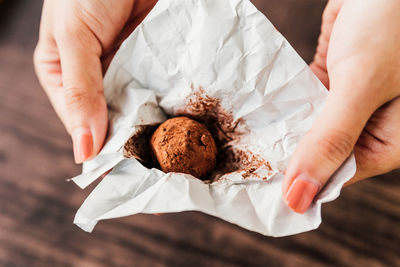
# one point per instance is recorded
(357, 58)
(76, 44)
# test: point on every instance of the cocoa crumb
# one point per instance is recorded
(223, 128)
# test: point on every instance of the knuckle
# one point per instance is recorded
(374, 163)
(76, 97)
(326, 16)
(66, 31)
(37, 55)
(335, 146)
(77, 35)
(40, 67)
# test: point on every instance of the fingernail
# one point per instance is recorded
(301, 193)
(83, 144)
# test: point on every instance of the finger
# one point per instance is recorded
(46, 60)
(377, 150)
(140, 10)
(330, 141)
(85, 113)
(318, 66)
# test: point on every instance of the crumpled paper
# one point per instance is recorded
(235, 54)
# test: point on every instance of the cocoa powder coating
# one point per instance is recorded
(184, 145)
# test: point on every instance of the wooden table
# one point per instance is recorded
(37, 205)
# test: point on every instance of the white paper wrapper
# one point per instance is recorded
(232, 51)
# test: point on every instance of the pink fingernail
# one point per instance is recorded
(300, 194)
(83, 144)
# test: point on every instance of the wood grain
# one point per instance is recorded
(37, 205)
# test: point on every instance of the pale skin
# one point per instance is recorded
(357, 58)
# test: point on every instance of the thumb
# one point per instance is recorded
(327, 145)
(85, 110)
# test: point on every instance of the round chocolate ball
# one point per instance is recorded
(184, 145)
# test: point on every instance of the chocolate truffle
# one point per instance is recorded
(184, 145)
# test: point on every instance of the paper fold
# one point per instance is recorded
(234, 53)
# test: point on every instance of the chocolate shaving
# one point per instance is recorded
(224, 129)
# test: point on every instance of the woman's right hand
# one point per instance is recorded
(358, 59)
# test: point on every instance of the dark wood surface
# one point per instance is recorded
(37, 206)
